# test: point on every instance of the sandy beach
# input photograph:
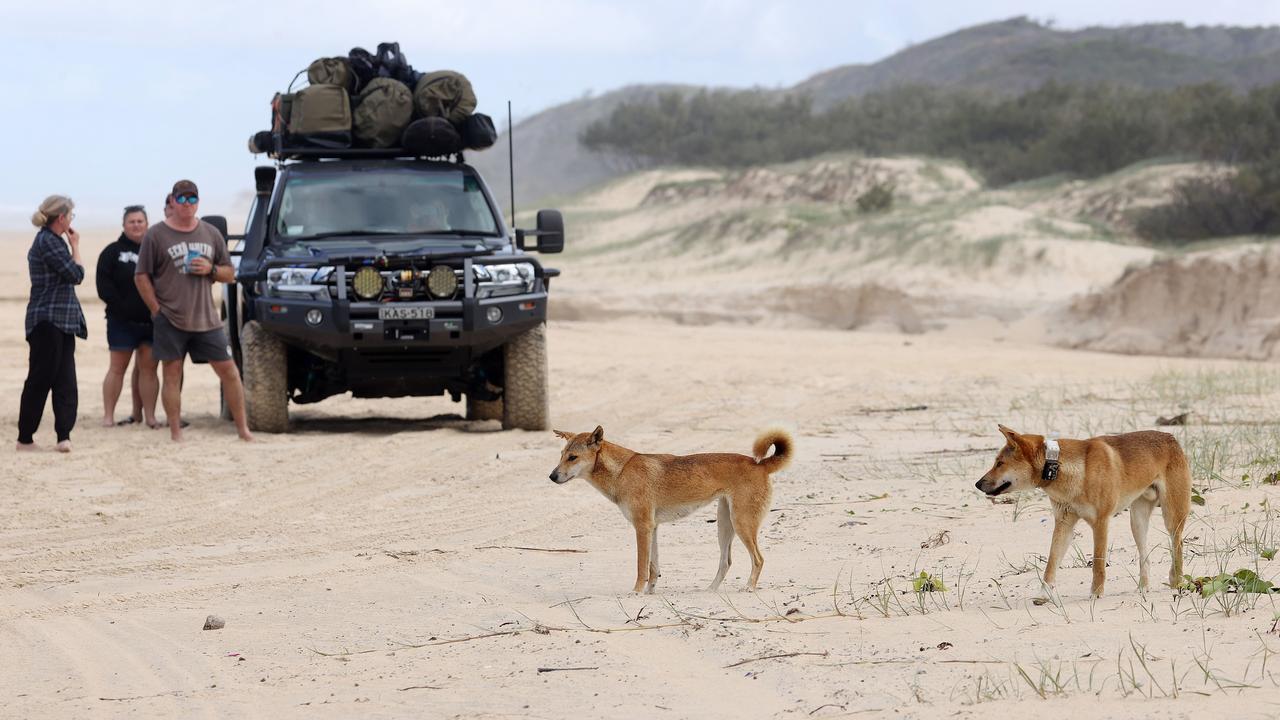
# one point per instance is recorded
(388, 559)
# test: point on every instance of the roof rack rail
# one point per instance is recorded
(309, 153)
(281, 152)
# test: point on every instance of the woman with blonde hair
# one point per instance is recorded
(54, 321)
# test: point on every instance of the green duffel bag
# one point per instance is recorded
(321, 115)
(383, 110)
(332, 71)
(445, 94)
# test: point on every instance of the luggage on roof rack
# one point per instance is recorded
(383, 110)
(374, 105)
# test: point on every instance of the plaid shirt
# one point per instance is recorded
(54, 276)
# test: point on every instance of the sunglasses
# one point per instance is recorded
(133, 209)
(186, 199)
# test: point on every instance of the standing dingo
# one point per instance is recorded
(653, 489)
(1092, 480)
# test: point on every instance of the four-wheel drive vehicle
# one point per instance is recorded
(385, 276)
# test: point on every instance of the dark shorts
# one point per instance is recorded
(174, 344)
(126, 335)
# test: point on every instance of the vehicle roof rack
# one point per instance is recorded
(357, 154)
(280, 152)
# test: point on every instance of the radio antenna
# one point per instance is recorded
(511, 164)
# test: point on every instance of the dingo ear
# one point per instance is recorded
(597, 435)
(563, 435)
(1009, 434)
(1017, 441)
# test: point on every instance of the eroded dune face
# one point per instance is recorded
(1222, 303)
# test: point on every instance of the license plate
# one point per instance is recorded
(406, 313)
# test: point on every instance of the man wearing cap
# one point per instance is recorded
(179, 261)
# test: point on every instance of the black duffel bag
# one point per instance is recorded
(432, 137)
(478, 132)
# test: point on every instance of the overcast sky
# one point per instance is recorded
(110, 102)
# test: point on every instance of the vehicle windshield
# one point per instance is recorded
(384, 202)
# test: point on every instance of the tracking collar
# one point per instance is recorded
(1051, 451)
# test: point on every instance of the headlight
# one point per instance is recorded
(441, 282)
(506, 279)
(299, 282)
(367, 283)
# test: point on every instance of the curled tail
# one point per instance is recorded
(782, 445)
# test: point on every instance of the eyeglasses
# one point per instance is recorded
(186, 199)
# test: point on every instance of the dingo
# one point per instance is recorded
(1094, 479)
(653, 489)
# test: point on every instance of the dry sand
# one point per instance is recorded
(346, 556)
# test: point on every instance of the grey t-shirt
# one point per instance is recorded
(186, 300)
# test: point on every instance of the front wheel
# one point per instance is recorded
(525, 403)
(266, 381)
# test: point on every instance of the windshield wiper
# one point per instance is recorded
(458, 233)
(387, 233)
(346, 233)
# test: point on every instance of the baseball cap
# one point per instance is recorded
(185, 187)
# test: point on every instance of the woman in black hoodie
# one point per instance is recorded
(128, 323)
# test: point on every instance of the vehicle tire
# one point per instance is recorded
(525, 404)
(265, 372)
(484, 409)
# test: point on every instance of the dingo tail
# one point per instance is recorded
(783, 447)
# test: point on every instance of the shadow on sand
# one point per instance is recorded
(379, 425)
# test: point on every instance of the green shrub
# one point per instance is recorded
(877, 198)
(1247, 203)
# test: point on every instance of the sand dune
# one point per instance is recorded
(785, 245)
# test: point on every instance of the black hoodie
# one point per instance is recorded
(116, 266)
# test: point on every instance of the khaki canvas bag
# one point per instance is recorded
(445, 94)
(321, 114)
(320, 109)
(332, 71)
(383, 110)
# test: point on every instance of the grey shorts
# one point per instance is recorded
(170, 343)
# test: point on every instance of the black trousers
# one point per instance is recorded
(52, 367)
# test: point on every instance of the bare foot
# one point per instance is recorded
(27, 447)
(245, 435)
(108, 422)
(63, 446)
(175, 434)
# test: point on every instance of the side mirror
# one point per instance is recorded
(550, 233)
(219, 222)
